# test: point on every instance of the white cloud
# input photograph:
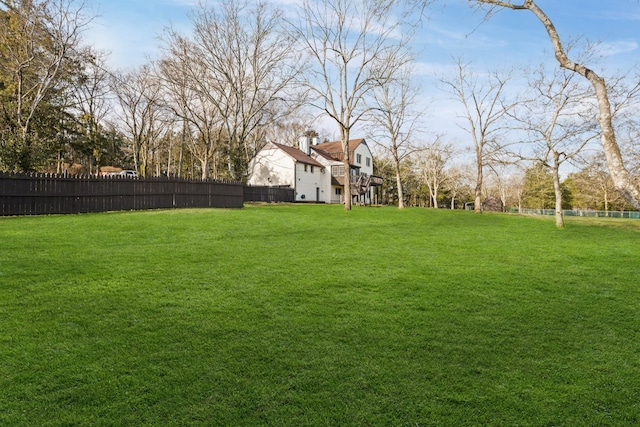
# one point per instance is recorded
(619, 15)
(617, 47)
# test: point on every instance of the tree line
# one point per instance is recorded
(435, 180)
(247, 73)
(202, 110)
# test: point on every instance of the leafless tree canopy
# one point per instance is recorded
(244, 63)
(485, 109)
(620, 175)
(560, 121)
(352, 53)
(396, 120)
(141, 112)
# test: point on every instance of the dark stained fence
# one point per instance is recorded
(269, 194)
(36, 194)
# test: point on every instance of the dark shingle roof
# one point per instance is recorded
(298, 156)
(333, 150)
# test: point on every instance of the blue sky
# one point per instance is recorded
(130, 29)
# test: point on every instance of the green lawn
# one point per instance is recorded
(309, 315)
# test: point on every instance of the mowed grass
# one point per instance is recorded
(309, 315)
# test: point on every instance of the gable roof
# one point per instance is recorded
(297, 155)
(333, 150)
(325, 156)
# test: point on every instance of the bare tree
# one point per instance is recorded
(139, 96)
(355, 45)
(244, 62)
(287, 131)
(432, 164)
(460, 182)
(620, 175)
(202, 125)
(455, 183)
(395, 121)
(485, 108)
(506, 182)
(92, 100)
(559, 120)
(631, 144)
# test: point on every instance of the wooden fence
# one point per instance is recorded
(269, 194)
(35, 194)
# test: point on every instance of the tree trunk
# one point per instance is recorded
(557, 189)
(434, 197)
(347, 169)
(136, 148)
(619, 174)
(182, 143)
(204, 164)
(399, 184)
(477, 206)
(169, 159)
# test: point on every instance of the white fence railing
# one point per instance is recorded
(579, 212)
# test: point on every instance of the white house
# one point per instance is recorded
(279, 165)
(316, 170)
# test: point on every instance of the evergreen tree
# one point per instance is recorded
(538, 190)
(39, 48)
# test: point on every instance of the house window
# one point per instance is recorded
(358, 158)
(338, 191)
(337, 170)
(311, 169)
(368, 161)
(305, 168)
